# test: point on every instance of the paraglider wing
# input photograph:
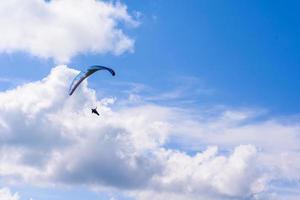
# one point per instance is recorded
(84, 74)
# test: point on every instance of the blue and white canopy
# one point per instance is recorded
(84, 74)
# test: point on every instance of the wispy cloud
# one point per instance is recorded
(6, 194)
(13, 82)
(180, 91)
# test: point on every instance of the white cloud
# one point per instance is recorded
(5, 194)
(208, 174)
(47, 137)
(63, 29)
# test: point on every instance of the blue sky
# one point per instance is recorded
(245, 51)
(228, 70)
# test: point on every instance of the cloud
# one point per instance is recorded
(63, 29)
(208, 175)
(43, 128)
(5, 194)
(145, 150)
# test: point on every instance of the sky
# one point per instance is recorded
(204, 104)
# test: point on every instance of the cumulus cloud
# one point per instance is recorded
(43, 128)
(47, 137)
(63, 29)
(208, 175)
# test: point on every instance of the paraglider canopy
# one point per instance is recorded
(84, 74)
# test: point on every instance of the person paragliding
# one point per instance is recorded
(83, 75)
(95, 111)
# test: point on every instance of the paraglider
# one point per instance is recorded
(95, 111)
(84, 74)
